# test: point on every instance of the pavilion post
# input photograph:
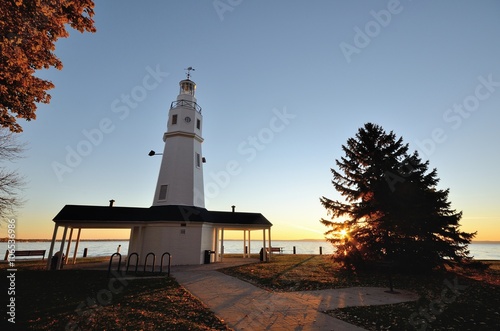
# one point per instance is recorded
(222, 244)
(69, 245)
(217, 244)
(59, 260)
(249, 240)
(264, 252)
(245, 243)
(270, 249)
(52, 243)
(76, 245)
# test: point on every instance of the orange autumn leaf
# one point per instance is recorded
(28, 32)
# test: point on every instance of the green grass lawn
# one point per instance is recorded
(449, 300)
(89, 300)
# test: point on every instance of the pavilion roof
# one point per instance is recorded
(170, 213)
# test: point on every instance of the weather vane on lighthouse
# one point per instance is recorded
(188, 73)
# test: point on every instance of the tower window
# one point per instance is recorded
(174, 119)
(198, 124)
(163, 192)
(198, 160)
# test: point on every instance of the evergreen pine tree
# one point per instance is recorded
(393, 210)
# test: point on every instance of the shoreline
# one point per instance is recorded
(3, 240)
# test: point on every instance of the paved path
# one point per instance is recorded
(244, 306)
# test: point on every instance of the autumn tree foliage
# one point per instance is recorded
(393, 210)
(29, 30)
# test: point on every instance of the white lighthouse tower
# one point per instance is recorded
(180, 181)
(177, 227)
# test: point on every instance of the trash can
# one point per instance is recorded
(261, 254)
(208, 256)
(53, 261)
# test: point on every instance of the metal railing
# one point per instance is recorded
(169, 262)
(136, 261)
(186, 103)
(146, 262)
(111, 262)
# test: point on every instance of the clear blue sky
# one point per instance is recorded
(427, 70)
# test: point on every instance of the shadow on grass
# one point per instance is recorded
(293, 267)
(89, 300)
(301, 273)
(456, 299)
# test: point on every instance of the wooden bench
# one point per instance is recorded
(276, 250)
(39, 252)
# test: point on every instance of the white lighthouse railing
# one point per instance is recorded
(186, 103)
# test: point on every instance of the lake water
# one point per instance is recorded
(480, 250)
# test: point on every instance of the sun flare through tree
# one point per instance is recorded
(394, 211)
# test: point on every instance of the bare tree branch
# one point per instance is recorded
(11, 183)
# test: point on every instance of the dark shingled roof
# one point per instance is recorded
(174, 213)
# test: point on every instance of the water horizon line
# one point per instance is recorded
(6, 239)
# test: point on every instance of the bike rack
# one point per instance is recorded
(146, 262)
(136, 261)
(111, 262)
(169, 262)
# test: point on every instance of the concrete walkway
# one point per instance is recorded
(244, 306)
